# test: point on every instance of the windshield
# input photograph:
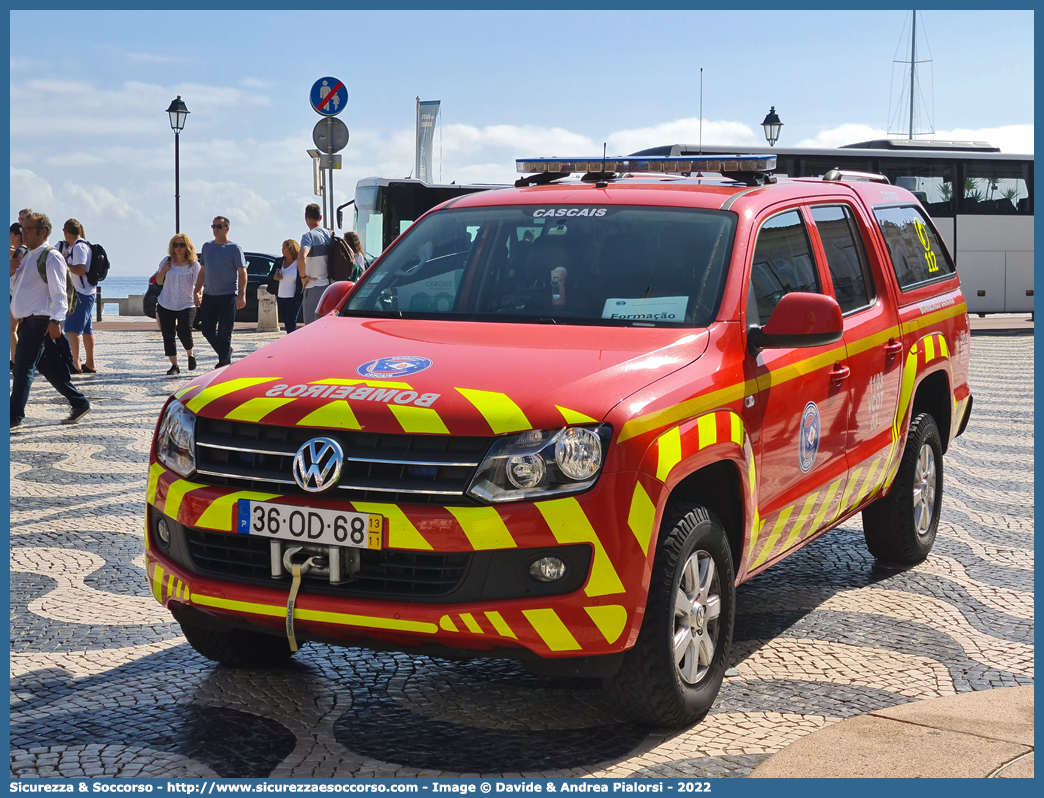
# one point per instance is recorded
(564, 264)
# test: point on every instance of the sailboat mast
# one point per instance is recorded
(913, 66)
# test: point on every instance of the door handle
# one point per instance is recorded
(839, 372)
(893, 347)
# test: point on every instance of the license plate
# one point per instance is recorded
(308, 525)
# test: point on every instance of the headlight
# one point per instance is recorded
(541, 463)
(176, 444)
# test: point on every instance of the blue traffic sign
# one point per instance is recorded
(329, 96)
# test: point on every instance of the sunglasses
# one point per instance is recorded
(216, 226)
(24, 228)
(179, 244)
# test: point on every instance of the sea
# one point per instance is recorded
(120, 287)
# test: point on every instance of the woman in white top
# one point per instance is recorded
(175, 308)
(290, 292)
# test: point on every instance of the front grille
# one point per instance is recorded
(412, 469)
(382, 573)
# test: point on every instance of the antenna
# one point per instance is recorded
(701, 111)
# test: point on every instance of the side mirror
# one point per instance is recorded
(799, 320)
(333, 297)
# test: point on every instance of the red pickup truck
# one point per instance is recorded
(561, 422)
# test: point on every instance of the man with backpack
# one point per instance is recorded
(41, 294)
(79, 322)
(312, 261)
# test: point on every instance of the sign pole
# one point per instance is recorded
(416, 145)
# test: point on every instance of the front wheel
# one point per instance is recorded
(901, 526)
(674, 671)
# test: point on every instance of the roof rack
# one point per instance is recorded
(838, 175)
(749, 169)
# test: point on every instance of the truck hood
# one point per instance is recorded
(461, 378)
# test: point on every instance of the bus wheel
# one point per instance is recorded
(901, 526)
(238, 648)
(674, 671)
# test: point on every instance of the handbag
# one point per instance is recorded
(273, 283)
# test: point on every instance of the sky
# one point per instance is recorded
(90, 137)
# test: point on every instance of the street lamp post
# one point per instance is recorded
(177, 112)
(772, 126)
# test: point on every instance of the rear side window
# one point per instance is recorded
(846, 256)
(782, 263)
(917, 256)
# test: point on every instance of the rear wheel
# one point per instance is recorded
(901, 526)
(238, 648)
(674, 671)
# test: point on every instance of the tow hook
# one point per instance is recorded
(297, 569)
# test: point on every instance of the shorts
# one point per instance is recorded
(79, 321)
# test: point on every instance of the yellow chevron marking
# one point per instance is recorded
(575, 417)
(401, 532)
(219, 514)
(146, 525)
(687, 409)
(212, 392)
(929, 349)
(422, 420)
(500, 625)
(175, 493)
(337, 413)
(370, 383)
(668, 448)
(942, 346)
(552, 631)
(446, 622)
(170, 585)
(641, 516)
(569, 524)
(852, 482)
(157, 583)
(755, 532)
(777, 530)
(471, 623)
(806, 511)
(737, 429)
(708, 430)
(867, 482)
(184, 391)
(155, 472)
(502, 414)
(257, 408)
(484, 527)
(340, 618)
(610, 620)
(827, 500)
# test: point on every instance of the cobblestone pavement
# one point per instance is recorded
(104, 684)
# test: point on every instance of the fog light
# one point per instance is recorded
(163, 533)
(547, 569)
(525, 470)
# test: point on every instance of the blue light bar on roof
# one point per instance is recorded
(664, 164)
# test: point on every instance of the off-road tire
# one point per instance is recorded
(889, 524)
(649, 687)
(238, 648)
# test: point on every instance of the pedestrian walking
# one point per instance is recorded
(220, 289)
(357, 253)
(176, 306)
(290, 292)
(79, 323)
(311, 261)
(40, 304)
(17, 250)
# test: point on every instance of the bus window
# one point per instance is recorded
(996, 187)
(931, 181)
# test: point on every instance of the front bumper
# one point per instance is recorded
(602, 530)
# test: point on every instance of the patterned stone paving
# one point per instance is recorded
(104, 684)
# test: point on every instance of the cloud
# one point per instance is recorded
(1016, 139)
(153, 58)
(253, 83)
(30, 190)
(681, 131)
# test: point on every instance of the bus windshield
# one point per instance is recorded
(616, 265)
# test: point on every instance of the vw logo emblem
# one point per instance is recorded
(317, 464)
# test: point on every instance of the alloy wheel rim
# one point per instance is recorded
(697, 607)
(924, 490)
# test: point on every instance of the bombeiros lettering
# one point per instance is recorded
(360, 393)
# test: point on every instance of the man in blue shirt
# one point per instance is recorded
(220, 289)
(311, 261)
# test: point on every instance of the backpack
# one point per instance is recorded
(70, 289)
(340, 263)
(99, 268)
